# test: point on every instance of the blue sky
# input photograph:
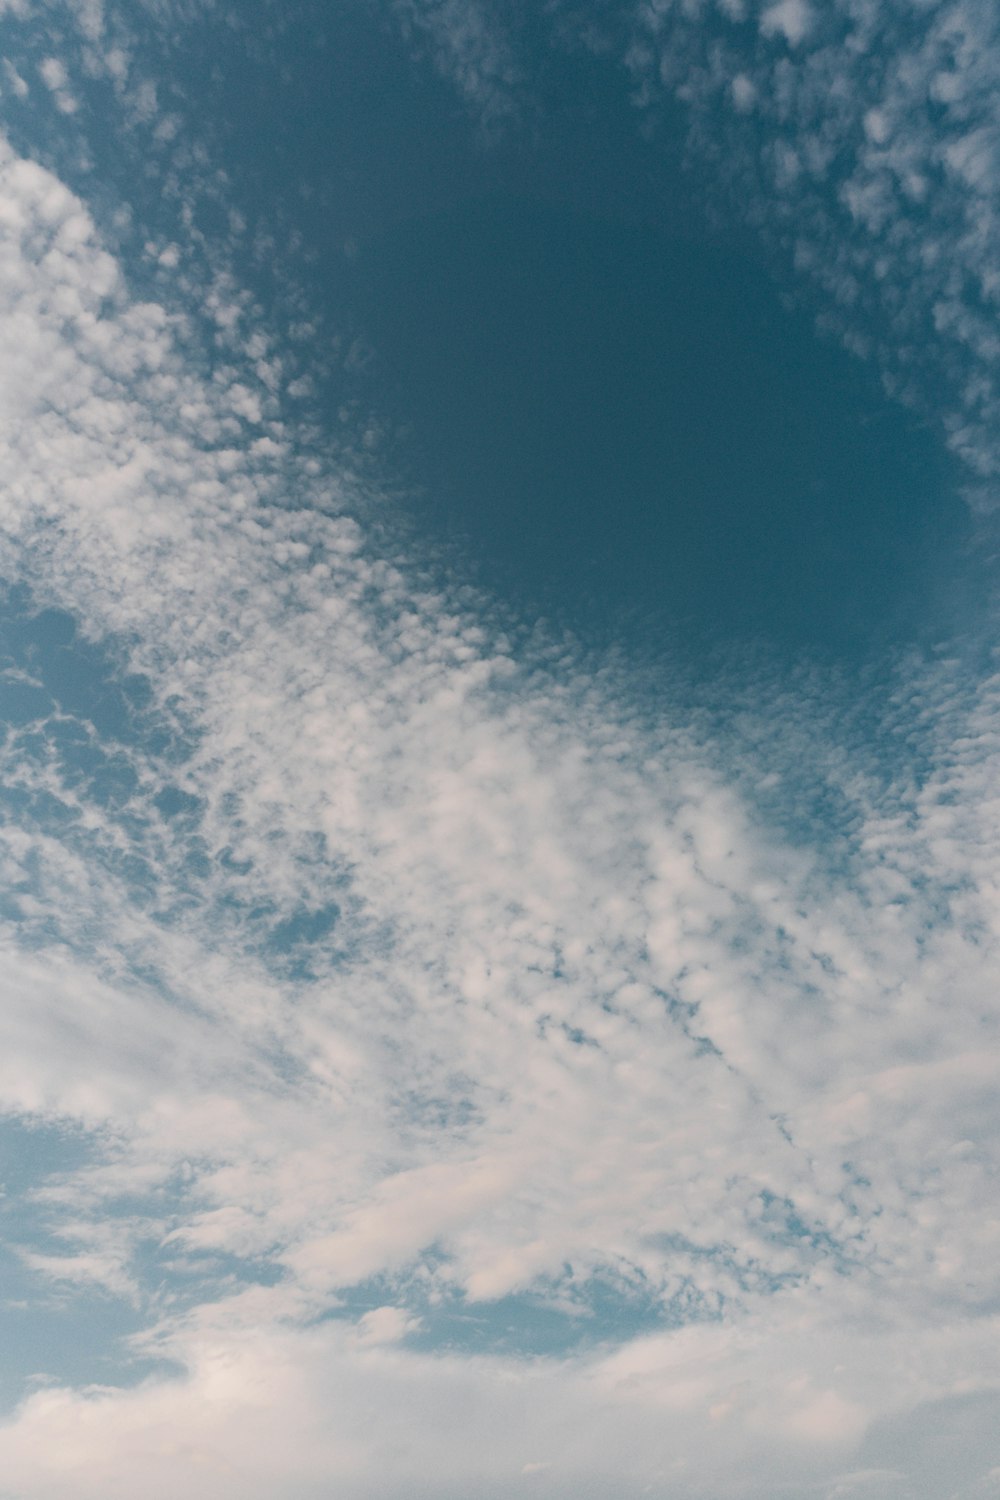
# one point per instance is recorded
(498, 852)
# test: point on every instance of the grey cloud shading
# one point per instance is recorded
(939, 1447)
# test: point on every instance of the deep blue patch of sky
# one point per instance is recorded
(601, 404)
(604, 402)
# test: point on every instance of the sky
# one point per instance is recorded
(500, 739)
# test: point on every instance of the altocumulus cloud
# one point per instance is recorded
(388, 965)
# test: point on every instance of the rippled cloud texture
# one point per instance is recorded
(437, 1064)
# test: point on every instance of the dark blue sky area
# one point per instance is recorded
(629, 423)
(604, 405)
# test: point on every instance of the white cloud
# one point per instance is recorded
(791, 19)
(14, 80)
(55, 78)
(385, 1325)
(53, 73)
(743, 92)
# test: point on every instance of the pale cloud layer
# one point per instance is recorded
(394, 960)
